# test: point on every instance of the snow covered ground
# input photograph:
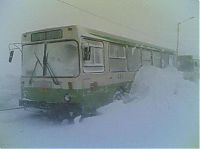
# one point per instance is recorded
(9, 91)
(161, 111)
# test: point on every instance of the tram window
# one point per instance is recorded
(63, 58)
(133, 58)
(86, 53)
(117, 58)
(29, 59)
(117, 51)
(93, 59)
(146, 57)
(172, 61)
(93, 56)
(156, 59)
(165, 60)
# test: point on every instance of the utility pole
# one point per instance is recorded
(178, 35)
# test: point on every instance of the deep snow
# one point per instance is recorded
(160, 111)
(9, 91)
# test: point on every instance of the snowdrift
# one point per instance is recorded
(9, 90)
(162, 112)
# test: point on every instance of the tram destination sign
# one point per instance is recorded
(47, 35)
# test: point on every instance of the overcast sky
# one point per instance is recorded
(153, 21)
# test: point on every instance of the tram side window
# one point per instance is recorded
(134, 58)
(93, 60)
(117, 58)
(146, 57)
(156, 59)
(165, 60)
(172, 60)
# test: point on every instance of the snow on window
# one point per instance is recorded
(93, 59)
(63, 58)
(146, 57)
(117, 51)
(133, 58)
(156, 59)
(32, 55)
(117, 58)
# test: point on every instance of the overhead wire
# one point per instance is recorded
(112, 21)
(101, 17)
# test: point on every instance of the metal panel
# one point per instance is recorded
(146, 57)
(133, 58)
(156, 59)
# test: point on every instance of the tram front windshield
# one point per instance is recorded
(59, 58)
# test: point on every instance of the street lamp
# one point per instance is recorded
(178, 33)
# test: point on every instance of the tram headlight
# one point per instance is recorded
(67, 97)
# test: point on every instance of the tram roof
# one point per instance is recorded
(92, 33)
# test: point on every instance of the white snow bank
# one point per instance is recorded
(163, 113)
(159, 83)
(9, 90)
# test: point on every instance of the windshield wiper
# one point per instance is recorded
(45, 56)
(46, 67)
(38, 61)
(55, 80)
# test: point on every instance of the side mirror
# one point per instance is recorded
(11, 56)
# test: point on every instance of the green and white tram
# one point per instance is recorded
(73, 70)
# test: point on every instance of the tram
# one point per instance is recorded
(73, 70)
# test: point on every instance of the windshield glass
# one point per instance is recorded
(29, 60)
(59, 57)
(62, 58)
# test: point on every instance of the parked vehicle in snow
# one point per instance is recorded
(73, 70)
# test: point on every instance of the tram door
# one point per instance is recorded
(93, 72)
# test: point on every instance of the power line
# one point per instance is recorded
(110, 20)
(101, 17)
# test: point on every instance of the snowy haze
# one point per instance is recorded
(153, 21)
(160, 111)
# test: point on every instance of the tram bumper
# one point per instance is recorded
(32, 103)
